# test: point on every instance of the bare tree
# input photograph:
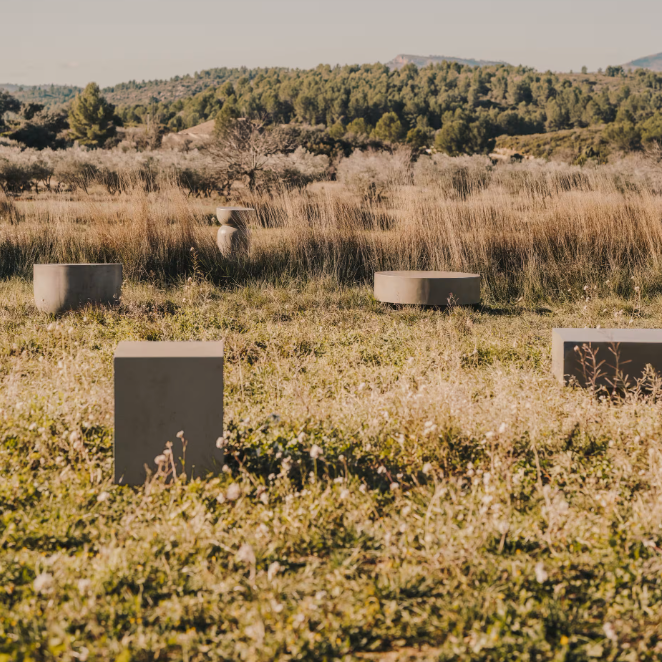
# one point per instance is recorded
(245, 149)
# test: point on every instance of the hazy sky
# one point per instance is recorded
(76, 41)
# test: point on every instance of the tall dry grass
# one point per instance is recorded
(530, 231)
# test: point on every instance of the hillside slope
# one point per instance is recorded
(652, 62)
(181, 87)
(49, 95)
(401, 60)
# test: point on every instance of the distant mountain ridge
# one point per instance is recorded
(652, 62)
(401, 60)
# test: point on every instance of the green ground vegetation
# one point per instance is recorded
(401, 483)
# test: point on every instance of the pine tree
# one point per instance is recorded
(389, 128)
(91, 117)
(7, 104)
(227, 116)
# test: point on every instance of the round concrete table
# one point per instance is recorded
(427, 288)
(62, 287)
(233, 236)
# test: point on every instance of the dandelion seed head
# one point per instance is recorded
(43, 583)
(541, 573)
(273, 570)
(246, 554)
(233, 492)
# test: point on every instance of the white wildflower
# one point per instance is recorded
(541, 573)
(429, 428)
(233, 492)
(246, 554)
(315, 452)
(609, 631)
(103, 496)
(43, 583)
(273, 570)
(84, 585)
(427, 468)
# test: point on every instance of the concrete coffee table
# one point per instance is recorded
(62, 287)
(427, 288)
(160, 389)
(605, 356)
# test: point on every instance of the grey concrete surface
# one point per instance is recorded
(427, 288)
(62, 287)
(233, 237)
(603, 352)
(160, 389)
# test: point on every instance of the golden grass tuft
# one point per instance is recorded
(528, 233)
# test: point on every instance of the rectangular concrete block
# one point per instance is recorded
(162, 388)
(635, 348)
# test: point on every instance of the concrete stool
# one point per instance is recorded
(62, 287)
(233, 236)
(635, 349)
(427, 288)
(160, 389)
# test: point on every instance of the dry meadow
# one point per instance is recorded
(401, 483)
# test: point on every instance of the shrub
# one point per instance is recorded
(370, 173)
(455, 176)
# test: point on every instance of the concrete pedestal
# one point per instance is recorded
(635, 348)
(233, 238)
(62, 287)
(160, 389)
(427, 288)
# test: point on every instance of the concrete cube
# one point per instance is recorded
(62, 287)
(160, 389)
(600, 352)
(233, 237)
(427, 288)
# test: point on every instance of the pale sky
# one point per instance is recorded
(78, 41)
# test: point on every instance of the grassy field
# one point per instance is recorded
(401, 483)
(463, 505)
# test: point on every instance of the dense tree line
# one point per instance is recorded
(454, 108)
(457, 108)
